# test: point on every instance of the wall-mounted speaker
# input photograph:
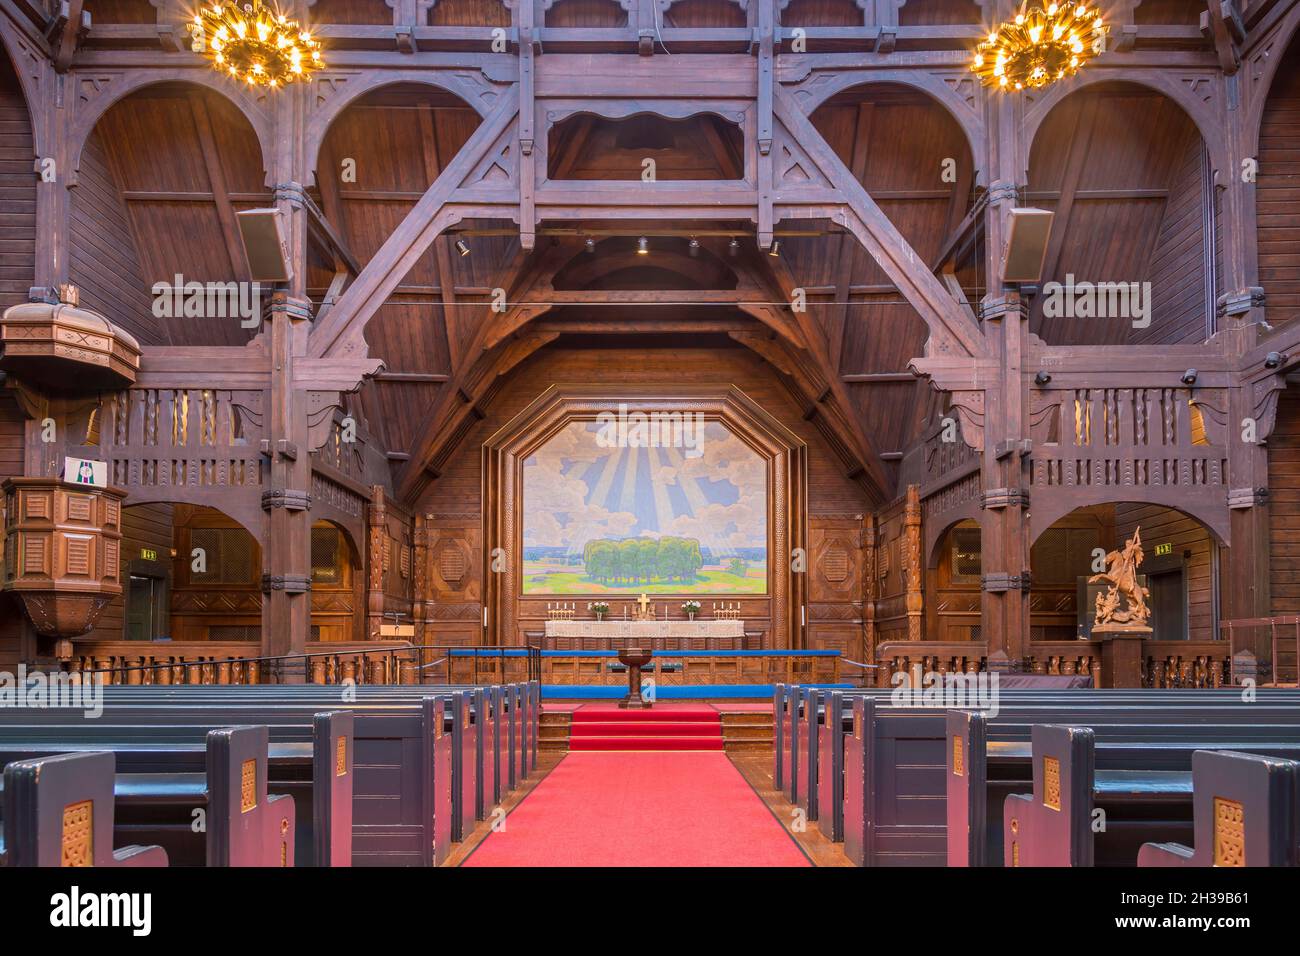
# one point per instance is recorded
(1027, 245)
(264, 245)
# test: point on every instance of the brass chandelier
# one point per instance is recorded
(1040, 46)
(253, 44)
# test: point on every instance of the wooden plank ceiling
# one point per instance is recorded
(166, 169)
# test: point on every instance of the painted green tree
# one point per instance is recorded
(640, 561)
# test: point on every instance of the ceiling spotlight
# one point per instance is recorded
(775, 251)
(1189, 377)
(643, 246)
(1274, 359)
(461, 247)
(694, 247)
(591, 245)
(733, 248)
(1042, 378)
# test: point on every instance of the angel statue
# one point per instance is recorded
(1122, 576)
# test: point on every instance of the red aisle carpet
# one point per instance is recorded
(641, 809)
(663, 727)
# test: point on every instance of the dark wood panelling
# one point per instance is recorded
(11, 465)
(104, 262)
(1277, 193)
(1122, 163)
(17, 192)
(1284, 505)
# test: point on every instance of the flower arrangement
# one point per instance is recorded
(691, 608)
(599, 608)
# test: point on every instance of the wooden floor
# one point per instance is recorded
(757, 770)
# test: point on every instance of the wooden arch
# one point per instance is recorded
(1049, 510)
(945, 91)
(332, 94)
(1208, 122)
(97, 95)
(505, 452)
(1264, 63)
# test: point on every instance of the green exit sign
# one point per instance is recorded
(149, 554)
(1166, 548)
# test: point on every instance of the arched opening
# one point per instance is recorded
(915, 161)
(1179, 569)
(375, 162)
(469, 13)
(952, 603)
(161, 178)
(704, 14)
(696, 148)
(586, 13)
(352, 11)
(822, 13)
(1125, 162)
(1277, 191)
(191, 573)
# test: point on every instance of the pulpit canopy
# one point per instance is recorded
(66, 348)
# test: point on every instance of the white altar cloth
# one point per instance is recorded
(648, 629)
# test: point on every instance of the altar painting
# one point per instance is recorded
(636, 511)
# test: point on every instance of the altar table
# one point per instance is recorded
(678, 635)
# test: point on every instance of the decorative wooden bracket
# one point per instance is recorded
(1222, 23)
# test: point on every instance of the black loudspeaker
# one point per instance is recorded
(1027, 244)
(264, 245)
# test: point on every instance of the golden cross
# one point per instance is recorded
(644, 602)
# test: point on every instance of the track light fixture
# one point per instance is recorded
(462, 247)
(775, 251)
(733, 247)
(643, 246)
(1042, 378)
(591, 245)
(1274, 359)
(694, 247)
(1189, 377)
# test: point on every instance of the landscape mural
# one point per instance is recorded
(665, 517)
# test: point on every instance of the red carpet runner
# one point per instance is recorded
(641, 809)
(664, 727)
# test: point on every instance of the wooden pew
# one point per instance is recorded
(1059, 824)
(807, 726)
(780, 749)
(59, 812)
(321, 788)
(166, 781)
(1245, 814)
(402, 768)
(896, 761)
(483, 763)
(989, 760)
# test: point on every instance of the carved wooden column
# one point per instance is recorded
(286, 577)
(376, 545)
(1252, 406)
(913, 564)
(419, 575)
(1004, 619)
(869, 591)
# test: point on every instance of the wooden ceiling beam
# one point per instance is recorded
(217, 182)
